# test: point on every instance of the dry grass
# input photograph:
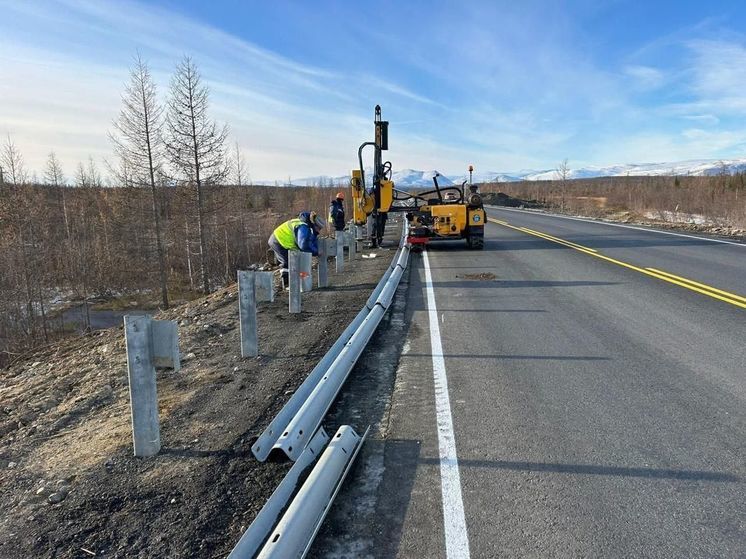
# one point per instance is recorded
(721, 200)
(100, 243)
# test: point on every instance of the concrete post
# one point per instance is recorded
(323, 263)
(352, 242)
(146, 434)
(247, 313)
(340, 258)
(306, 272)
(294, 305)
(265, 288)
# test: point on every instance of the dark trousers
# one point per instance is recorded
(280, 252)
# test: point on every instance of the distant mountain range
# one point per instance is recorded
(412, 178)
(698, 167)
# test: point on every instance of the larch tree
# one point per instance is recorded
(239, 166)
(53, 173)
(11, 161)
(194, 143)
(55, 176)
(562, 173)
(94, 177)
(138, 142)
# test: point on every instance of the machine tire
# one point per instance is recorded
(475, 242)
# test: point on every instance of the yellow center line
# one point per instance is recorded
(558, 240)
(553, 239)
(702, 285)
(702, 288)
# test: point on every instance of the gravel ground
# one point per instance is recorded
(69, 485)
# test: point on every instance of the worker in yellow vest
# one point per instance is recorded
(301, 234)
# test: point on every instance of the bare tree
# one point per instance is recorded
(11, 161)
(562, 173)
(194, 143)
(122, 173)
(138, 142)
(81, 177)
(94, 177)
(53, 174)
(239, 167)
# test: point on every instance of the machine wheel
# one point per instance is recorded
(475, 242)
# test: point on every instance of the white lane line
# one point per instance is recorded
(645, 229)
(454, 521)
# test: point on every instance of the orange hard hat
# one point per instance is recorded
(341, 195)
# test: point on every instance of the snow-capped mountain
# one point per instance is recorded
(697, 167)
(403, 178)
(408, 178)
(486, 176)
(413, 178)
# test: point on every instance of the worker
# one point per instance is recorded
(301, 234)
(337, 212)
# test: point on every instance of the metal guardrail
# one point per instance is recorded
(284, 529)
(297, 421)
(251, 541)
(296, 530)
(311, 413)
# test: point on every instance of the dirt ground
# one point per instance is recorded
(69, 485)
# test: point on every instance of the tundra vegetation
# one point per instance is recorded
(174, 216)
(175, 213)
(718, 202)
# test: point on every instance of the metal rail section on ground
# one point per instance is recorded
(274, 535)
(283, 528)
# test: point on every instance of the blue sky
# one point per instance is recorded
(503, 85)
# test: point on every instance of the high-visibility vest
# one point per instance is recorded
(285, 233)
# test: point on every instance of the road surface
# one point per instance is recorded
(575, 389)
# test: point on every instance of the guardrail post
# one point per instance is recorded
(247, 313)
(265, 288)
(306, 272)
(323, 263)
(165, 344)
(340, 259)
(352, 243)
(146, 434)
(294, 303)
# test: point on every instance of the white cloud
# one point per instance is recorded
(718, 75)
(294, 119)
(524, 93)
(645, 77)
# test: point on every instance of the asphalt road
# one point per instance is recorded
(586, 398)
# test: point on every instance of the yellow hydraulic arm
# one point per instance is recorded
(376, 202)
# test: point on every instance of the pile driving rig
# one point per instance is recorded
(444, 213)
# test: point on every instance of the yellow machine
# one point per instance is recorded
(445, 213)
